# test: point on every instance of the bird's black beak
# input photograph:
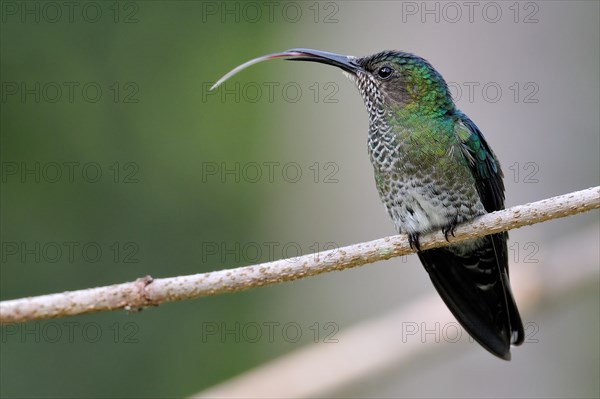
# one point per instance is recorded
(345, 62)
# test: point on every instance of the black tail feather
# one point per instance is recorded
(475, 286)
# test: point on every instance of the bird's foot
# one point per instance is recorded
(449, 228)
(413, 241)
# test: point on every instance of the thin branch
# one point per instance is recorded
(148, 292)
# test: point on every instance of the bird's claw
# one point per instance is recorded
(449, 229)
(413, 241)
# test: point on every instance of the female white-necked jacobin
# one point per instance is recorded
(433, 170)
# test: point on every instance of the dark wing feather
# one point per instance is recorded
(488, 177)
(483, 163)
(475, 285)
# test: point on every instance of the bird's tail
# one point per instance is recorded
(474, 284)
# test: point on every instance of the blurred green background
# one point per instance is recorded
(118, 163)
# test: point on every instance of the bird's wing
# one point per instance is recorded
(475, 284)
(482, 162)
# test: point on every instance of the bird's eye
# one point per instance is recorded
(384, 72)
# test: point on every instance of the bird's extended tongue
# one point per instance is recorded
(285, 54)
(341, 61)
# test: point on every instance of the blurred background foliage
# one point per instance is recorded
(156, 134)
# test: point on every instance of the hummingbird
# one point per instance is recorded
(433, 170)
